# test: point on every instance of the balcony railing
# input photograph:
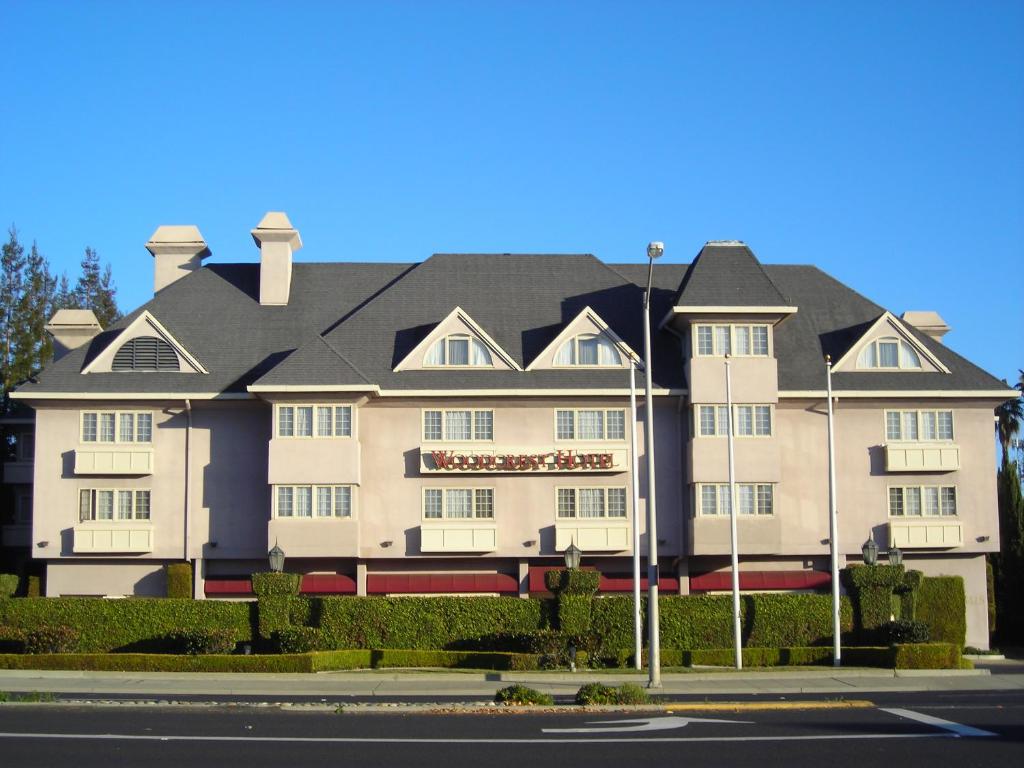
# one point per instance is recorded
(114, 461)
(926, 533)
(922, 457)
(121, 538)
(453, 537)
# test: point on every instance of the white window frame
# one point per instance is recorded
(919, 419)
(115, 518)
(476, 517)
(722, 430)
(902, 347)
(722, 492)
(716, 350)
(314, 495)
(314, 432)
(922, 490)
(574, 343)
(473, 425)
(117, 414)
(604, 492)
(576, 425)
(446, 340)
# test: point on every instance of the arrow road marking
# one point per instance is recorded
(651, 724)
(938, 722)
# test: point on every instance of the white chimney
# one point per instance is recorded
(177, 251)
(929, 323)
(70, 329)
(277, 240)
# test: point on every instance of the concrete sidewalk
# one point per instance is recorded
(421, 685)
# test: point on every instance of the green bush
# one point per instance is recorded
(906, 593)
(139, 624)
(574, 613)
(193, 642)
(990, 590)
(51, 639)
(572, 581)
(942, 605)
(33, 586)
(179, 580)
(872, 589)
(271, 583)
(598, 693)
(8, 584)
(520, 694)
(12, 640)
(927, 656)
(903, 631)
(611, 620)
(273, 614)
(298, 639)
(421, 622)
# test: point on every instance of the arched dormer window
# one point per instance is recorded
(146, 353)
(458, 350)
(588, 349)
(889, 353)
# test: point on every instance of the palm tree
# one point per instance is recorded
(1009, 417)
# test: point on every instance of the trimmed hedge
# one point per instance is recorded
(273, 610)
(151, 662)
(611, 620)
(138, 624)
(572, 581)
(390, 658)
(8, 585)
(574, 613)
(179, 580)
(272, 583)
(417, 623)
(33, 586)
(872, 590)
(942, 605)
(919, 656)
(928, 656)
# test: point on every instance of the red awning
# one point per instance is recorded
(327, 584)
(440, 583)
(760, 580)
(234, 586)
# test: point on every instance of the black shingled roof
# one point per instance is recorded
(728, 275)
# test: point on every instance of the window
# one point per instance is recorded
(738, 340)
(458, 425)
(590, 503)
(590, 424)
(748, 421)
(145, 353)
(314, 421)
(23, 511)
(309, 501)
(113, 505)
(458, 350)
(588, 349)
(922, 500)
(458, 503)
(117, 427)
(26, 446)
(889, 353)
(918, 425)
(752, 499)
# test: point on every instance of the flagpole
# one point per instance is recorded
(833, 523)
(732, 524)
(637, 623)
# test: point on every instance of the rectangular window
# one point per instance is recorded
(303, 501)
(616, 502)
(117, 427)
(742, 334)
(743, 340)
(760, 335)
(343, 501)
(313, 501)
(343, 421)
(888, 354)
(89, 427)
(918, 500)
(590, 503)
(744, 420)
(705, 341)
(126, 426)
(893, 429)
(566, 502)
(458, 350)
(912, 502)
(483, 499)
(748, 421)
(918, 425)
(910, 425)
(458, 503)
(706, 419)
(432, 425)
(432, 506)
(762, 420)
(483, 425)
(931, 501)
(458, 425)
(144, 428)
(285, 421)
(590, 424)
(896, 502)
(107, 427)
(948, 496)
(752, 499)
(314, 421)
(285, 494)
(723, 343)
(324, 501)
(324, 421)
(113, 505)
(304, 421)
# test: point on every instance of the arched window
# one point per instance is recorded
(889, 352)
(459, 350)
(146, 353)
(588, 349)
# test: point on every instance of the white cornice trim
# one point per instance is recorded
(900, 328)
(733, 310)
(570, 330)
(131, 396)
(313, 388)
(980, 394)
(145, 317)
(420, 349)
(518, 392)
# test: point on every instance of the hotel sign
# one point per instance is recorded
(521, 462)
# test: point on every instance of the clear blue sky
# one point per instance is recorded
(881, 141)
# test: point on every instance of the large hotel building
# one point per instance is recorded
(451, 426)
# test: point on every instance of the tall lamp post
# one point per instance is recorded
(654, 251)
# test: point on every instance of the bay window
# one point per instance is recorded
(309, 501)
(314, 421)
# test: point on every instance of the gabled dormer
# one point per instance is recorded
(888, 346)
(585, 342)
(458, 341)
(144, 346)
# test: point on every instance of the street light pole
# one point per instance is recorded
(638, 627)
(654, 251)
(833, 524)
(736, 628)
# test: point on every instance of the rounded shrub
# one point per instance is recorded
(521, 694)
(179, 580)
(903, 631)
(51, 639)
(195, 642)
(599, 693)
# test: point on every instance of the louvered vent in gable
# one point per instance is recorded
(146, 353)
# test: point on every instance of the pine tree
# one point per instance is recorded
(1009, 562)
(33, 346)
(12, 265)
(95, 289)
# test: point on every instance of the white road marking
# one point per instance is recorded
(938, 722)
(650, 724)
(367, 740)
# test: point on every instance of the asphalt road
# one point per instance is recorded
(985, 729)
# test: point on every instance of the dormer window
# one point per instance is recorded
(459, 351)
(588, 349)
(146, 353)
(736, 340)
(889, 353)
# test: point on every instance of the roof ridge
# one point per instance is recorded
(344, 359)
